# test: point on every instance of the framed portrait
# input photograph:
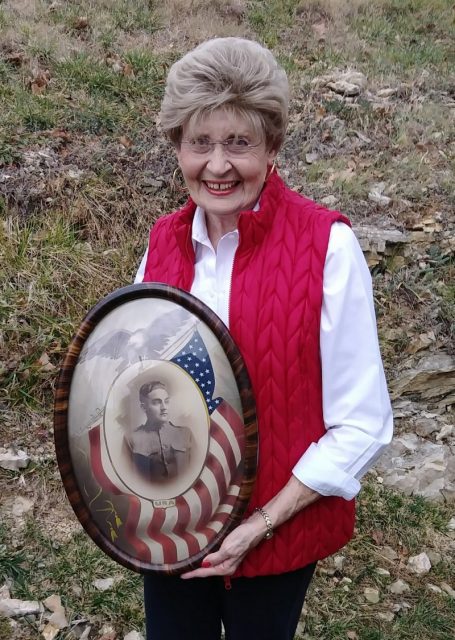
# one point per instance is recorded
(155, 428)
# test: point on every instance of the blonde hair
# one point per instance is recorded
(233, 74)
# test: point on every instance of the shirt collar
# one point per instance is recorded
(199, 227)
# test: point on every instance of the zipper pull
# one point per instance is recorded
(227, 583)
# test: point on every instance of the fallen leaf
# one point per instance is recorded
(128, 70)
(345, 175)
(39, 81)
(45, 363)
(16, 58)
(320, 30)
(81, 23)
(50, 631)
(378, 537)
(320, 114)
(126, 141)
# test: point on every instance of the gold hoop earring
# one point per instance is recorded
(177, 183)
(271, 170)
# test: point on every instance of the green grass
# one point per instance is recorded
(408, 525)
(43, 320)
(270, 18)
(124, 15)
(69, 569)
(408, 34)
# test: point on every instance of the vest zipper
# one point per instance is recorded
(230, 281)
(227, 583)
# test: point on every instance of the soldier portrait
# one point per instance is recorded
(159, 449)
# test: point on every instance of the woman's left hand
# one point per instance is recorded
(293, 497)
(235, 546)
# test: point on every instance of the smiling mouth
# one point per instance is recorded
(221, 186)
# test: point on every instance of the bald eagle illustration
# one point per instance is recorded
(148, 343)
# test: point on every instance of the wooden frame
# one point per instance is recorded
(156, 496)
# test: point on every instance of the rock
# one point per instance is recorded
(107, 632)
(4, 592)
(399, 587)
(21, 507)
(386, 92)
(12, 459)
(389, 553)
(420, 342)
(53, 602)
(135, 635)
(75, 174)
(103, 584)
(434, 588)
(420, 564)
(379, 243)
(398, 606)
(424, 427)
(58, 617)
(451, 524)
(86, 633)
(444, 586)
(50, 631)
(371, 595)
(346, 83)
(434, 556)
(379, 199)
(384, 573)
(13, 608)
(299, 632)
(433, 379)
(338, 562)
(329, 201)
(387, 616)
(345, 581)
(311, 157)
(151, 184)
(446, 432)
(417, 466)
(344, 88)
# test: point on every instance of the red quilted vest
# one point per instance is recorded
(275, 310)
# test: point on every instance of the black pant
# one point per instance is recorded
(266, 607)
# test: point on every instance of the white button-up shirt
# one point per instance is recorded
(356, 406)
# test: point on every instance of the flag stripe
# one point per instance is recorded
(167, 544)
(141, 549)
(181, 531)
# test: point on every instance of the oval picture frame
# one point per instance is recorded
(155, 428)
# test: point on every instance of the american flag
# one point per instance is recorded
(195, 360)
(169, 534)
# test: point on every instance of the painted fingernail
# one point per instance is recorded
(206, 564)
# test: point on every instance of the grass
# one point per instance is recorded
(71, 569)
(75, 210)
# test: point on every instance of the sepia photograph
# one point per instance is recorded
(155, 429)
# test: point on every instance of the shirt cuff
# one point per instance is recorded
(334, 482)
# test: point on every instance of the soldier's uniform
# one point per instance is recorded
(162, 453)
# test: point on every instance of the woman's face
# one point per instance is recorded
(220, 183)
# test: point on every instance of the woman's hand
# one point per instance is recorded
(291, 499)
(235, 546)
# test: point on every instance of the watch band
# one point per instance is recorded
(268, 522)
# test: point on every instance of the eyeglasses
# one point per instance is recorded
(232, 146)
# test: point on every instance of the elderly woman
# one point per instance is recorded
(289, 280)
